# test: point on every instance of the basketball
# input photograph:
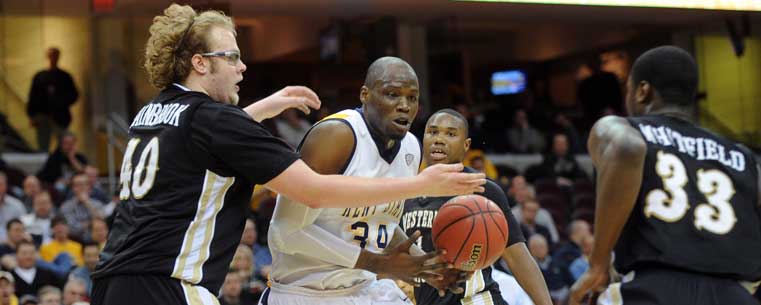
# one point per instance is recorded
(473, 231)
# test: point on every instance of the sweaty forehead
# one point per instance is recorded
(445, 121)
(397, 75)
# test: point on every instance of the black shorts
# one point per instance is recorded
(673, 287)
(147, 290)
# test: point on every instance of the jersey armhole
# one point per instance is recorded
(353, 133)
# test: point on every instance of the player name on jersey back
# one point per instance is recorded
(154, 114)
(697, 147)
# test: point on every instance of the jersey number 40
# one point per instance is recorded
(671, 204)
(137, 183)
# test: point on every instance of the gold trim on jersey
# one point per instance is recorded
(337, 115)
(197, 242)
(481, 298)
(194, 295)
(473, 286)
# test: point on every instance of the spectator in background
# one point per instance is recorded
(37, 222)
(262, 257)
(50, 96)
(98, 231)
(476, 159)
(61, 244)
(96, 191)
(31, 187)
(578, 230)
(10, 207)
(28, 278)
(28, 300)
(243, 263)
(15, 235)
(233, 292)
(292, 127)
(522, 137)
(581, 264)
(49, 295)
(543, 217)
(529, 209)
(563, 124)
(74, 291)
(557, 277)
(63, 163)
(7, 289)
(90, 253)
(81, 208)
(560, 163)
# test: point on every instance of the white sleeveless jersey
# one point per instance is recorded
(370, 227)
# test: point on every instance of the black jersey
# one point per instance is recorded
(697, 209)
(186, 180)
(419, 214)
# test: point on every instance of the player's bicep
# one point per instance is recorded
(328, 147)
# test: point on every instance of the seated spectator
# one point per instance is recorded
(555, 275)
(578, 230)
(233, 292)
(81, 208)
(291, 127)
(90, 253)
(560, 163)
(15, 235)
(476, 159)
(7, 289)
(96, 191)
(564, 124)
(543, 217)
(28, 278)
(61, 244)
(529, 209)
(522, 137)
(49, 295)
(262, 258)
(98, 232)
(10, 207)
(28, 300)
(581, 264)
(37, 222)
(32, 187)
(244, 265)
(63, 163)
(74, 291)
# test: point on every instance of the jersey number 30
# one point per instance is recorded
(671, 204)
(137, 183)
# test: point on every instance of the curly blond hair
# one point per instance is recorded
(176, 36)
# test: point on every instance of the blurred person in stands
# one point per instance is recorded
(581, 264)
(543, 217)
(63, 163)
(49, 295)
(233, 292)
(243, 263)
(61, 250)
(75, 291)
(262, 255)
(216, 152)
(50, 96)
(560, 162)
(31, 187)
(522, 137)
(29, 300)
(28, 277)
(292, 127)
(37, 222)
(562, 123)
(81, 208)
(90, 253)
(16, 233)
(578, 231)
(10, 207)
(96, 191)
(529, 209)
(98, 231)
(7, 289)
(557, 277)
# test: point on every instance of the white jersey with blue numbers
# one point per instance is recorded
(309, 270)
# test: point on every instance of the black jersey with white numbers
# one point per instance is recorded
(186, 180)
(419, 214)
(697, 209)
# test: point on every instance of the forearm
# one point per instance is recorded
(338, 191)
(258, 111)
(527, 273)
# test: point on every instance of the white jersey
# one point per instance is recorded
(314, 269)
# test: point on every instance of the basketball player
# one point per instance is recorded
(680, 204)
(192, 160)
(332, 256)
(445, 142)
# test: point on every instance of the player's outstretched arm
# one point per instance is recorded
(618, 154)
(327, 149)
(299, 97)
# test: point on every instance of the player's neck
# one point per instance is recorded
(675, 111)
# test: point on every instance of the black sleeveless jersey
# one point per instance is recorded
(186, 180)
(419, 214)
(697, 209)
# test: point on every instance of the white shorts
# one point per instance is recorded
(379, 292)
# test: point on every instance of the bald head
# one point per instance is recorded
(383, 67)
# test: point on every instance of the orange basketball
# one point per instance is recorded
(472, 229)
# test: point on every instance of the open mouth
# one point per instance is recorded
(438, 154)
(402, 122)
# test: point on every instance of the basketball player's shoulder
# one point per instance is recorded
(614, 134)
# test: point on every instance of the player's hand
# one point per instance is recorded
(299, 97)
(397, 263)
(449, 180)
(593, 281)
(447, 279)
